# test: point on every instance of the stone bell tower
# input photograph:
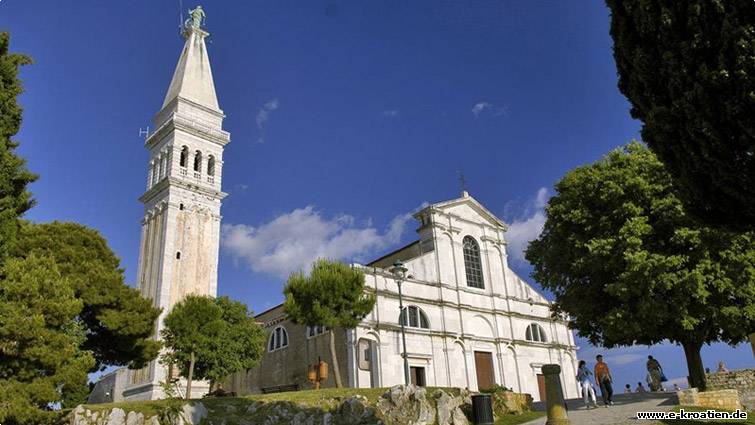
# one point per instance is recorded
(180, 236)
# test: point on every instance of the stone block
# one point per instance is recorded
(688, 397)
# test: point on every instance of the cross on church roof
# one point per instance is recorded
(462, 182)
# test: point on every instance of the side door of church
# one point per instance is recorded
(483, 362)
(541, 386)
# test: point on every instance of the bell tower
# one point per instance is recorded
(180, 233)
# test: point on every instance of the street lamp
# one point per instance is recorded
(399, 274)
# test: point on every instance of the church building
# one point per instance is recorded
(470, 321)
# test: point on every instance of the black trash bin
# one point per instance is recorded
(482, 409)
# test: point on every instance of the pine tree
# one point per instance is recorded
(333, 295)
(119, 322)
(41, 362)
(14, 177)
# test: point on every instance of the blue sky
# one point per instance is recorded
(344, 117)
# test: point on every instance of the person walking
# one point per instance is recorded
(640, 388)
(583, 377)
(604, 379)
(655, 372)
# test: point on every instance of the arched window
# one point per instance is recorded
(278, 339)
(184, 158)
(197, 161)
(472, 263)
(417, 318)
(210, 165)
(535, 332)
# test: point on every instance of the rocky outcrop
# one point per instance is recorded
(399, 405)
(511, 403)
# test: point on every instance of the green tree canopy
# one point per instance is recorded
(119, 322)
(688, 69)
(332, 295)
(629, 266)
(14, 177)
(40, 357)
(211, 338)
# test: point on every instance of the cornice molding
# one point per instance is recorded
(170, 181)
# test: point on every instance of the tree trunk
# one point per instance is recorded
(334, 359)
(191, 375)
(695, 365)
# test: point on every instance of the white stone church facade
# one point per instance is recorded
(476, 322)
(471, 322)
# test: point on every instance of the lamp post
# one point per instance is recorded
(399, 274)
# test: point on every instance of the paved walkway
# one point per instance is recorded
(622, 412)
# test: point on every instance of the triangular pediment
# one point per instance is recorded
(467, 207)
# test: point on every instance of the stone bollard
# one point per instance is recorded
(554, 398)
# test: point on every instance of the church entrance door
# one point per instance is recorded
(484, 366)
(541, 386)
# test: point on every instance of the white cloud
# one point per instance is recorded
(622, 359)
(264, 114)
(291, 241)
(479, 107)
(681, 381)
(391, 113)
(527, 227)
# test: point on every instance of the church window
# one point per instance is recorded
(315, 330)
(154, 172)
(210, 165)
(417, 318)
(535, 332)
(278, 339)
(181, 206)
(163, 165)
(178, 255)
(472, 263)
(365, 347)
(197, 161)
(184, 158)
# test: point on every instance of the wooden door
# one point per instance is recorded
(484, 366)
(417, 376)
(541, 386)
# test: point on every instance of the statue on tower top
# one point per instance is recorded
(197, 18)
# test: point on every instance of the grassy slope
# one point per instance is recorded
(325, 398)
(519, 419)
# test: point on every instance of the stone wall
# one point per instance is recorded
(741, 380)
(716, 399)
(109, 388)
(288, 366)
